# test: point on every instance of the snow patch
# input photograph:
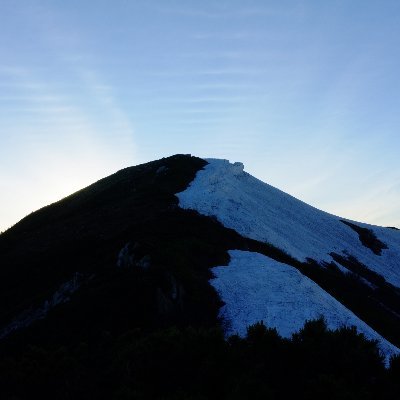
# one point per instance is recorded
(257, 288)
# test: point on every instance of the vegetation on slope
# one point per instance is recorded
(367, 238)
(188, 363)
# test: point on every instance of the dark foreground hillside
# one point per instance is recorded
(105, 295)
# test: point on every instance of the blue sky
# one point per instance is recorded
(304, 93)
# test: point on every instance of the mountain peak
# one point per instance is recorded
(185, 241)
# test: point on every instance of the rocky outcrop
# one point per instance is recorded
(61, 295)
(170, 299)
(133, 256)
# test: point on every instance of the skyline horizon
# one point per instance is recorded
(205, 158)
(304, 93)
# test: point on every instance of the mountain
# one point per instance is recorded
(194, 245)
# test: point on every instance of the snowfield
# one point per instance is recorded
(257, 288)
(261, 212)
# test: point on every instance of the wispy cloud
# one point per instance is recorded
(12, 71)
(208, 72)
(201, 100)
(224, 55)
(376, 206)
(227, 35)
(60, 148)
(31, 99)
(104, 95)
(88, 91)
(202, 121)
(223, 86)
(220, 10)
(65, 126)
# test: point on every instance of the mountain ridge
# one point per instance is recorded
(147, 242)
(230, 198)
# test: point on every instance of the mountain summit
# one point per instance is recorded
(191, 242)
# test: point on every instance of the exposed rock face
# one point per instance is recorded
(144, 262)
(170, 299)
(169, 293)
(61, 295)
(126, 257)
(238, 168)
(162, 170)
(131, 256)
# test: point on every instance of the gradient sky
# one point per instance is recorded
(305, 93)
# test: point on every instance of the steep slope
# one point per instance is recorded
(326, 248)
(262, 212)
(107, 233)
(257, 288)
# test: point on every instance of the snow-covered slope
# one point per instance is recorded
(257, 288)
(264, 213)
